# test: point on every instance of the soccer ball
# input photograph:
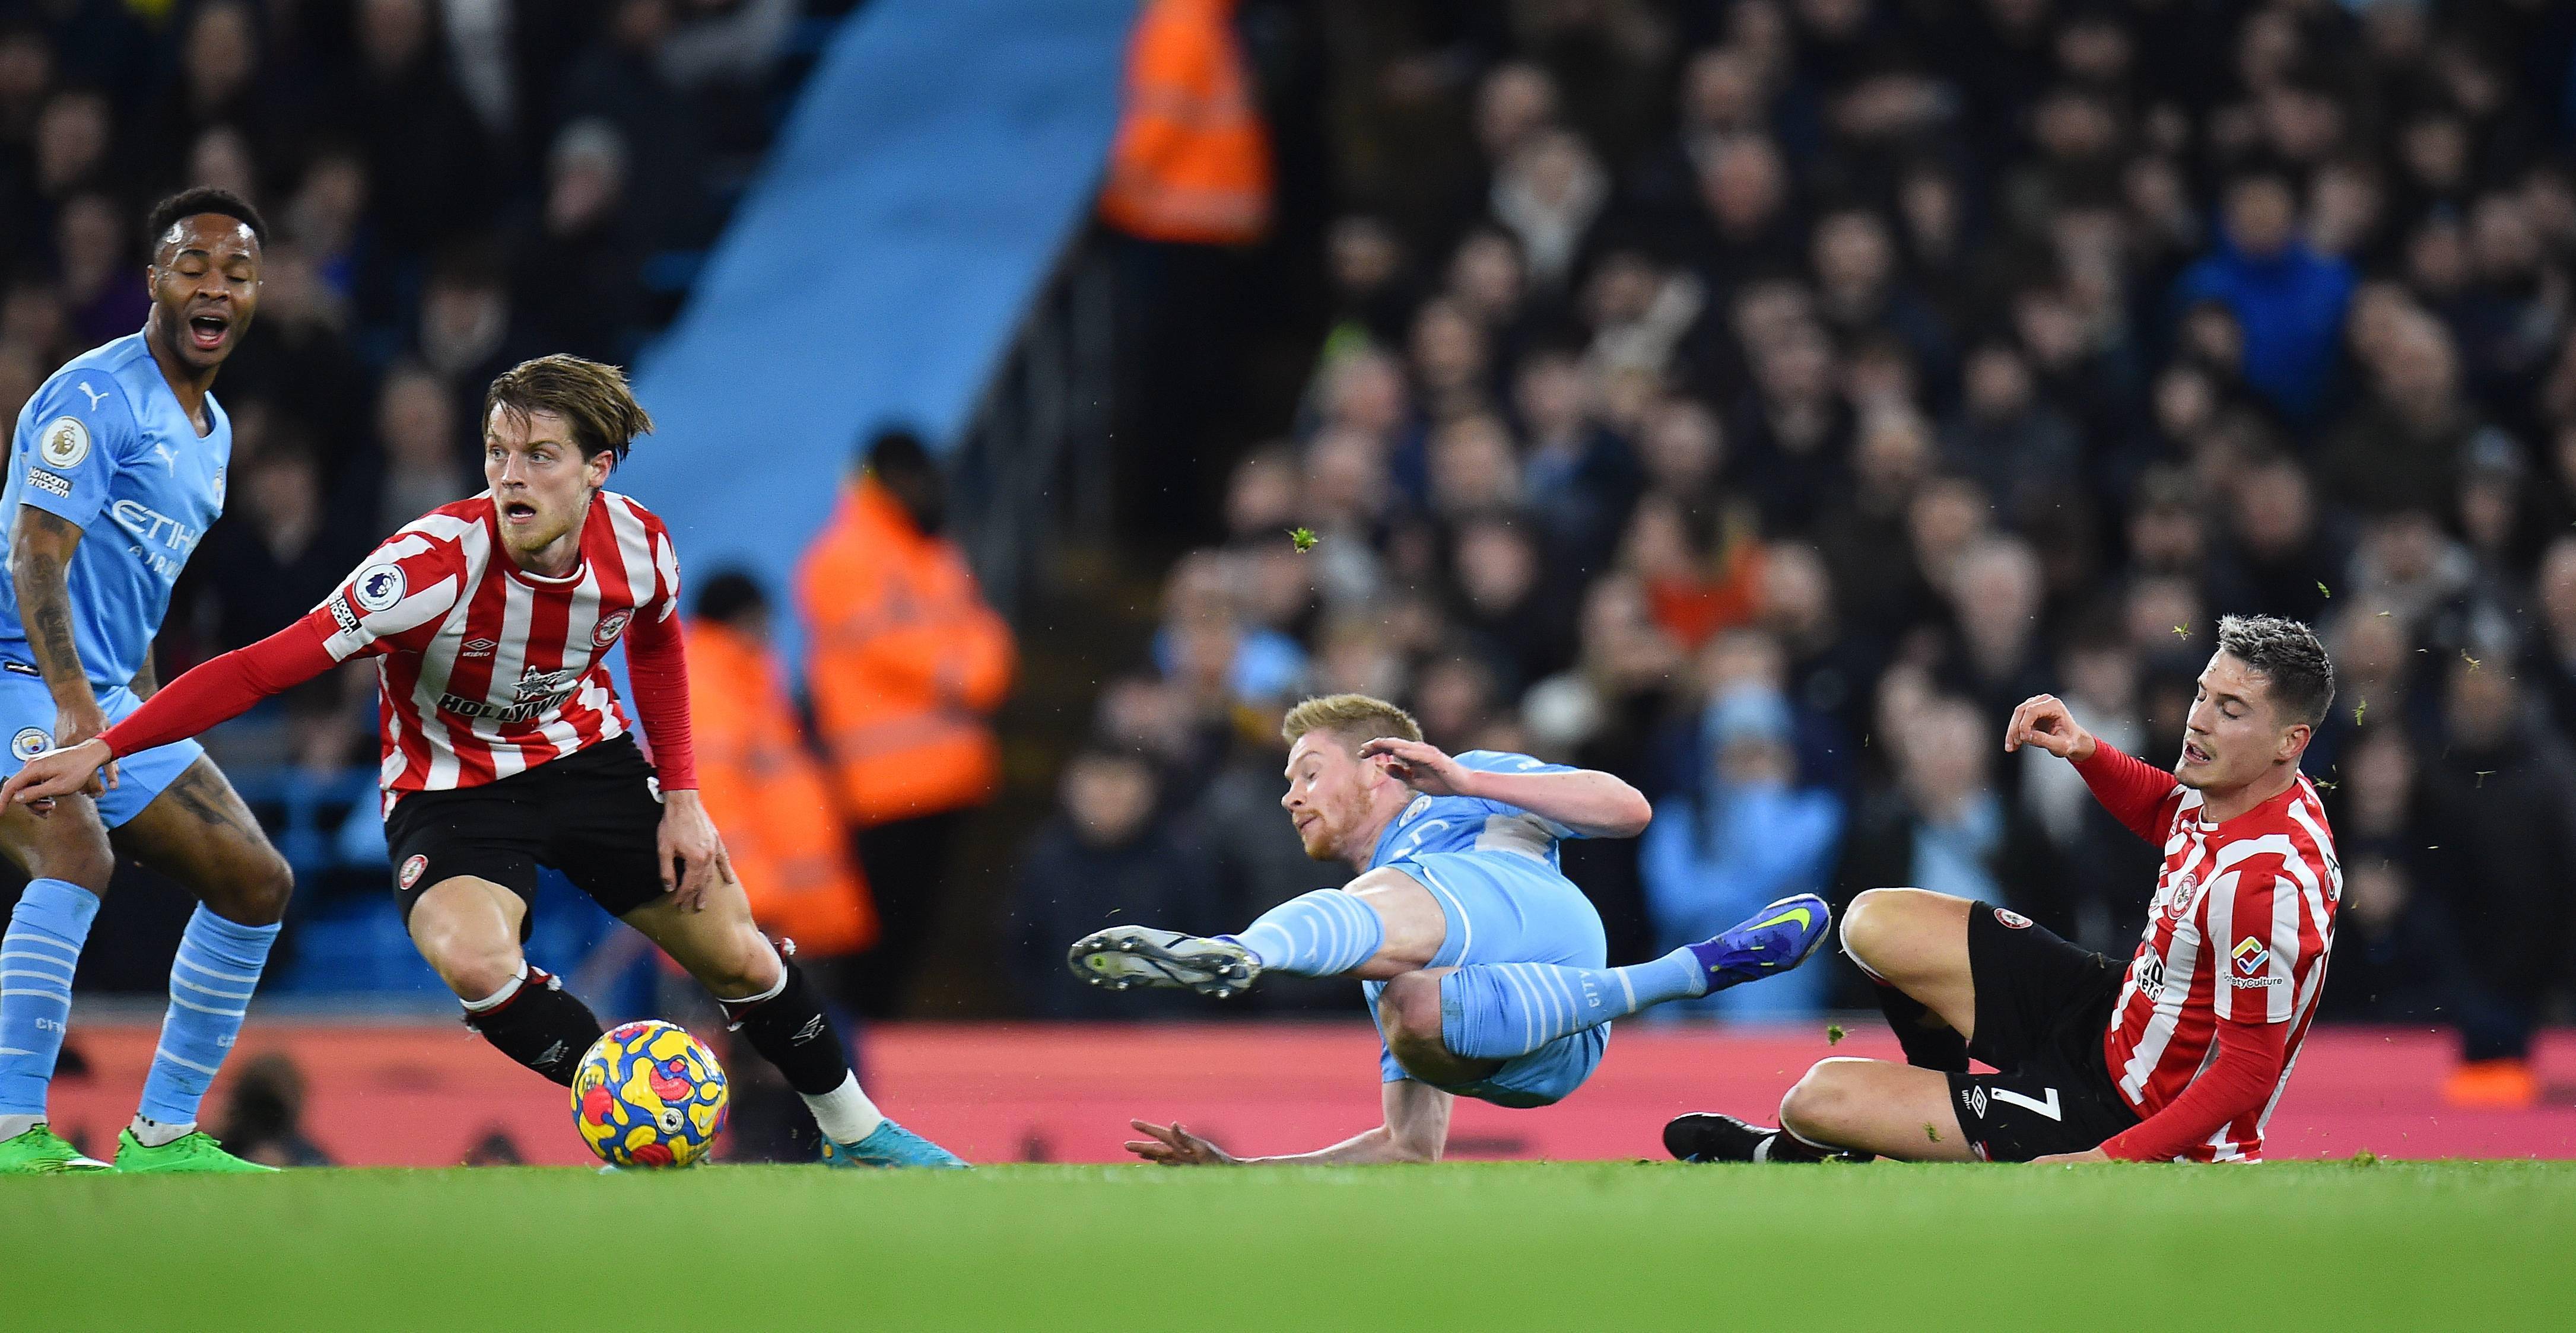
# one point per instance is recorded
(647, 1094)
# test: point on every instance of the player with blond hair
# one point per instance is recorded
(1485, 967)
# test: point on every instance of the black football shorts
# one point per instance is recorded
(594, 814)
(2043, 1006)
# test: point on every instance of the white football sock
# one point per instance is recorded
(153, 1133)
(11, 1126)
(845, 1113)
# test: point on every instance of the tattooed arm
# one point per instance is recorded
(40, 556)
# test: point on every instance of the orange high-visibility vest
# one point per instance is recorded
(1191, 162)
(907, 663)
(767, 796)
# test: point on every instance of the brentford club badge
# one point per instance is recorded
(412, 869)
(2012, 918)
(610, 626)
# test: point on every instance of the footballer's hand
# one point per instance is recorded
(2042, 720)
(1425, 768)
(59, 772)
(2088, 1155)
(77, 721)
(1171, 1145)
(689, 839)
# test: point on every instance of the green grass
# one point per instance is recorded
(1614, 1247)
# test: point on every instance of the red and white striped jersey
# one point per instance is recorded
(482, 668)
(2242, 920)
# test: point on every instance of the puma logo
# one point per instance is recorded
(95, 397)
(169, 460)
(813, 1028)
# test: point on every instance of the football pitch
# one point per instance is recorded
(1471, 1246)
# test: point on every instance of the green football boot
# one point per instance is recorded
(193, 1151)
(42, 1152)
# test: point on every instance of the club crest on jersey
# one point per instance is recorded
(2250, 955)
(30, 742)
(378, 587)
(1417, 806)
(2012, 919)
(610, 626)
(412, 870)
(65, 442)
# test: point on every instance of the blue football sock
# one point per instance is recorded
(1320, 934)
(1499, 1011)
(37, 956)
(211, 982)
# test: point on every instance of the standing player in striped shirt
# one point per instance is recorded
(2184, 1055)
(505, 747)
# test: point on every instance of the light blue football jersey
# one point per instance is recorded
(105, 444)
(1465, 824)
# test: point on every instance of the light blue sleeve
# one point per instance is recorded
(1502, 761)
(72, 438)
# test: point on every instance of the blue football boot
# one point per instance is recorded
(1777, 938)
(890, 1145)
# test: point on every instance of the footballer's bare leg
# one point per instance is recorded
(468, 928)
(1876, 1106)
(1378, 927)
(67, 860)
(769, 1000)
(198, 832)
(1914, 946)
(68, 844)
(719, 945)
(1916, 941)
(1409, 1017)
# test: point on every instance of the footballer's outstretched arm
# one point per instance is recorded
(1416, 1130)
(1592, 803)
(214, 692)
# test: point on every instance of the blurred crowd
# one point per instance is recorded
(1757, 399)
(450, 185)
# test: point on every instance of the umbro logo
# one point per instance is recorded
(477, 648)
(1975, 1100)
(813, 1028)
(552, 1054)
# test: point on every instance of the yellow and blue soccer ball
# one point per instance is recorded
(648, 1094)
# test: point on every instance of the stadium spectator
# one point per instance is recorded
(906, 665)
(1947, 829)
(1752, 836)
(1111, 853)
(2499, 830)
(763, 787)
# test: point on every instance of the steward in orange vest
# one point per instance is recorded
(1191, 163)
(762, 786)
(908, 662)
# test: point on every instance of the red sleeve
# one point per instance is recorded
(2234, 1086)
(657, 665)
(2133, 790)
(223, 689)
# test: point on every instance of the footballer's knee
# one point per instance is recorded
(465, 947)
(1821, 1101)
(64, 847)
(746, 967)
(1408, 1013)
(1894, 933)
(256, 891)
